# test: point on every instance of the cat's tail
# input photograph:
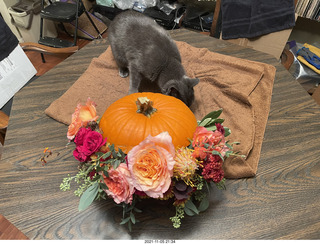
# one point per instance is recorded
(104, 19)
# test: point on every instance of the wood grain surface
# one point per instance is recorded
(281, 202)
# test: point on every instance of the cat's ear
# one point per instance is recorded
(173, 92)
(191, 82)
(171, 89)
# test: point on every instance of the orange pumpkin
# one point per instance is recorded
(129, 120)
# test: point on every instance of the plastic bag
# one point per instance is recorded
(106, 3)
(303, 74)
(166, 7)
(128, 4)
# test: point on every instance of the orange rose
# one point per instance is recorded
(151, 164)
(81, 116)
(119, 184)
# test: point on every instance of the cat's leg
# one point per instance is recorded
(135, 79)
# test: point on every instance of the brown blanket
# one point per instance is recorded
(242, 88)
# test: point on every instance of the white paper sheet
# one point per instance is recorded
(15, 71)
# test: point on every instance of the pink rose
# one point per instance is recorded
(151, 164)
(119, 184)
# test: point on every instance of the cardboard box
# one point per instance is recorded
(316, 95)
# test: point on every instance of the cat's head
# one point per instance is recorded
(181, 89)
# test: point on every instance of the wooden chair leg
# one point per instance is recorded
(42, 57)
(215, 18)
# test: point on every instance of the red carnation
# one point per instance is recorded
(213, 171)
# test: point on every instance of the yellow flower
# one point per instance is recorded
(185, 165)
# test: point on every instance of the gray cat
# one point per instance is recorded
(144, 50)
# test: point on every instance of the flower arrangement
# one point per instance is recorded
(152, 169)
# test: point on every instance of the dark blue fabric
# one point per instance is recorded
(8, 41)
(252, 18)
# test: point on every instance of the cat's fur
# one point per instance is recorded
(145, 51)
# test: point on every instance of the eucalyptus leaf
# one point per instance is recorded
(189, 212)
(137, 210)
(133, 219)
(204, 204)
(130, 226)
(124, 221)
(88, 196)
(190, 205)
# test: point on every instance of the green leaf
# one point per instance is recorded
(204, 204)
(130, 226)
(106, 155)
(190, 205)
(121, 152)
(99, 154)
(227, 131)
(204, 122)
(211, 128)
(116, 163)
(111, 147)
(114, 154)
(88, 196)
(137, 210)
(103, 186)
(189, 211)
(218, 121)
(221, 185)
(106, 174)
(217, 153)
(124, 221)
(212, 115)
(133, 219)
(228, 145)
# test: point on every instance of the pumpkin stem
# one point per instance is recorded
(144, 106)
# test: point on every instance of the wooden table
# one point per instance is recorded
(281, 202)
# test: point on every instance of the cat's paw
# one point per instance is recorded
(123, 73)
